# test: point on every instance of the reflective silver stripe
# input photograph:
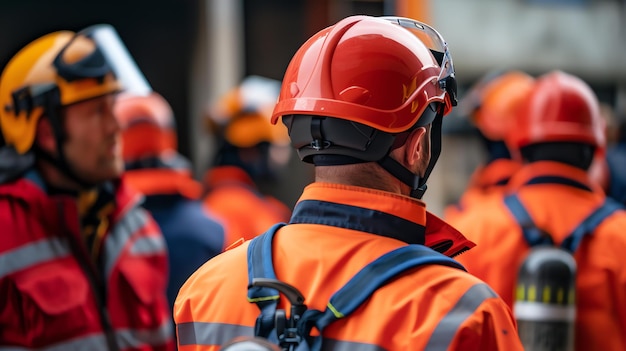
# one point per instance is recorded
(92, 343)
(32, 254)
(126, 339)
(123, 232)
(132, 338)
(450, 323)
(200, 333)
(339, 345)
(148, 245)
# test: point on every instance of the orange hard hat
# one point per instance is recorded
(492, 103)
(242, 115)
(559, 108)
(148, 126)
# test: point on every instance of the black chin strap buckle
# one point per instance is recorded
(419, 192)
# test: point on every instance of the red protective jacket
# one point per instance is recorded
(235, 200)
(558, 200)
(334, 231)
(53, 293)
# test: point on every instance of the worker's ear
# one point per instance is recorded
(45, 136)
(414, 145)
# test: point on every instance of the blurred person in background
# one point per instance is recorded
(553, 201)
(82, 265)
(609, 168)
(490, 105)
(363, 101)
(156, 169)
(616, 160)
(249, 150)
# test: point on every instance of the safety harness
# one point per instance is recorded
(535, 236)
(293, 332)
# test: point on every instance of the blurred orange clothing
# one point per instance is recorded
(234, 199)
(486, 180)
(558, 199)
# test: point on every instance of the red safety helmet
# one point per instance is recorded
(559, 108)
(491, 104)
(380, 72)
(148, 127)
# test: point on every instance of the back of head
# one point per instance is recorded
(241, 116)
(148, 129)
(353, 88)
(561, 109)
(240, 123)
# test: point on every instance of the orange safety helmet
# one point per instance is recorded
(492, 103)
(60, 69)
(242, 115)
(148, 126)
(559, 108)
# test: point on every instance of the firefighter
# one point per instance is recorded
(82, 265)
(156, 169)
(490, 105)
(250, 151)
(553, 201)
(363, 101)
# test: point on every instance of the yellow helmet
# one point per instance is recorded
(242, 115)
(60, 69)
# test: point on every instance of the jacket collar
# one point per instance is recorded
(378, 212)
(543, 172)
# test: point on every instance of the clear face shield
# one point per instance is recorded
(437, 46)
(97, 51)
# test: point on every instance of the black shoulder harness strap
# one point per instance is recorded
(343, 302)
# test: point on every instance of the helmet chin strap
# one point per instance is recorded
(414, 181)
(59, 161)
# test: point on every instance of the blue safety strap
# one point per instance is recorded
(347, 299)
(590, 223)
(535, 236)
(260, 266)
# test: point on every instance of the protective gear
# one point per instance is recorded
(347, 93)
(242, 115)
(148, 127)
(560, 108)
(557, 197)
(545, 304)
(50, 284)
(209, 304)
(492, 103)
(232, 196)
(60, 69)
(240, 122)
(157, 170)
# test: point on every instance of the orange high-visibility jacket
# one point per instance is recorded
(486, 180)
(236, 201)
(336, 230)
(557, 199)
